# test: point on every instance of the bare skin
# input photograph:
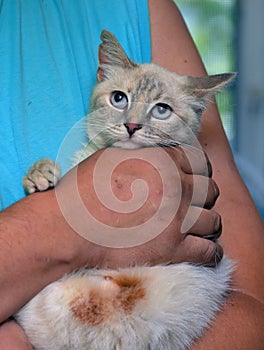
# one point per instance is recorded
(243, 233)
(32, 258)
(12, 337)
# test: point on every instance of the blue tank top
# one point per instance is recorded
(48, 63)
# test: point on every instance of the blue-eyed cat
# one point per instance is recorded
(138, 308)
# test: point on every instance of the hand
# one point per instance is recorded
(189, 231)
(49, 244)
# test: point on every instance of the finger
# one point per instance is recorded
(204, 223)
(201, 251)
(192, 160)
(205, 191)
(12, 336)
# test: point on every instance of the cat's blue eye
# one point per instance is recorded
(119, 99)
(161, 111)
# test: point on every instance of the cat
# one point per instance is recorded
(138, 308)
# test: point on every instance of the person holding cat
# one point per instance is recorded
(25, 273)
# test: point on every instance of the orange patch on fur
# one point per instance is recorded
(97, 307)
(131, 291)
(91, 309)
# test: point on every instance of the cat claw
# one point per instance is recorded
(43, 175)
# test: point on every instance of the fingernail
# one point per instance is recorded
(209, 169)
(216, 191)
(219, 252)
(218, 227)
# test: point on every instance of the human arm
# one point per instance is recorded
(243, 236)
(39, 246)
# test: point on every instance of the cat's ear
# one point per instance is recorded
(207, 86)
(111, 54)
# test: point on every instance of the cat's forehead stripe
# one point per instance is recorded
(148, 88)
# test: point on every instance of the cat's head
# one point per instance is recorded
(139, 105)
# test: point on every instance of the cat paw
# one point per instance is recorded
(43, 175)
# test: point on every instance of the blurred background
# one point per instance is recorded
(230, 37)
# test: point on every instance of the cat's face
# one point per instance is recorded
(136, 106)
(143, 106)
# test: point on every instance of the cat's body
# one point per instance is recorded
(139, 308)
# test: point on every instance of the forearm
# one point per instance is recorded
(239, 326)
(243, 231)
(38, 244)
(243, 236)
(33, 252)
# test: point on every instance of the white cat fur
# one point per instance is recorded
(176, 304)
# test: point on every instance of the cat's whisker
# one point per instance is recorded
(169, 143)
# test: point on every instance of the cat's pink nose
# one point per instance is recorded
(132, 127)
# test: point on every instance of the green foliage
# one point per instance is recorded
(212, 26)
